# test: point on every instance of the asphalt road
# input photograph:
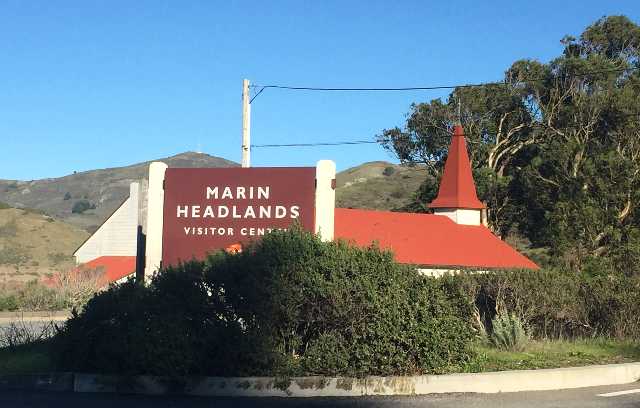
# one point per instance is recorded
(32, 329)
(578, 398)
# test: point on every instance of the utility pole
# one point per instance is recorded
(246, 125)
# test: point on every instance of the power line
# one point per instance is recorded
(354, 142)
(426, 88)
(411, 88)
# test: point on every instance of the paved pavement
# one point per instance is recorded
(28, 329)
(626, 396)
(32, 324)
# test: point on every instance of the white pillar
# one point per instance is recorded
(325, 198)
(155, 209)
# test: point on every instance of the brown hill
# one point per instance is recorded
(104, 188)
(33, 244)
(378, 185)
(41, 240)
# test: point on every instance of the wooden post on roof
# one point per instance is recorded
(246, 125)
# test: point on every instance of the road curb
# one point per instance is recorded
(38, 382)
(484, 383)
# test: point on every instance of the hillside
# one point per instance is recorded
(375, 185)
(36, 242)
(104, 188)
(378, 185)
(33, 244)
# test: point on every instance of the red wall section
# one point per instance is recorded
(196, 231)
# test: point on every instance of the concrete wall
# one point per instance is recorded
(460, 215)
(117, 236)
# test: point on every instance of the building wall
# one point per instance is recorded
(460, 215)
(117, 236)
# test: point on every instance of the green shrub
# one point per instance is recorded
(33, 296)
(4, 206)
(388, 171)
(81, 206)
(289, 304)
(8, 302)
(554, 303)
(508, 333)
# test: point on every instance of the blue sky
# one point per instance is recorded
(94, 84)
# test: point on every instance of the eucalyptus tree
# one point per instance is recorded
(555, 147)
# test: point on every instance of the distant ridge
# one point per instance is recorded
(374, 185)
(104, 188)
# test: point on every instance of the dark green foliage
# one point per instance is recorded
(81, 206)
(555, 149)
(4, 206)
(557, 304)
(388, 171)
(67, 196)
(289, 304)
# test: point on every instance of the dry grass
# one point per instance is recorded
(32, 244)
(378, 186)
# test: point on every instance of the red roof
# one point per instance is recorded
(427, 239)
(457, 189)
(114, 267)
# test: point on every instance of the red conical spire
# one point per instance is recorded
(457, 189)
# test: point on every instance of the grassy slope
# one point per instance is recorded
(106, 188)
(367, 186)
(33, 245)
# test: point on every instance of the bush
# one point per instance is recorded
(388, 171)
(35, 296)
(554, 303)
(81, 206)
(8, 302)
(68, 289)
(4, 206)
(508, 333)
(289, 304)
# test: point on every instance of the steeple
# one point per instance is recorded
(457, 198)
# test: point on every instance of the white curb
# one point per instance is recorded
(494, 382)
